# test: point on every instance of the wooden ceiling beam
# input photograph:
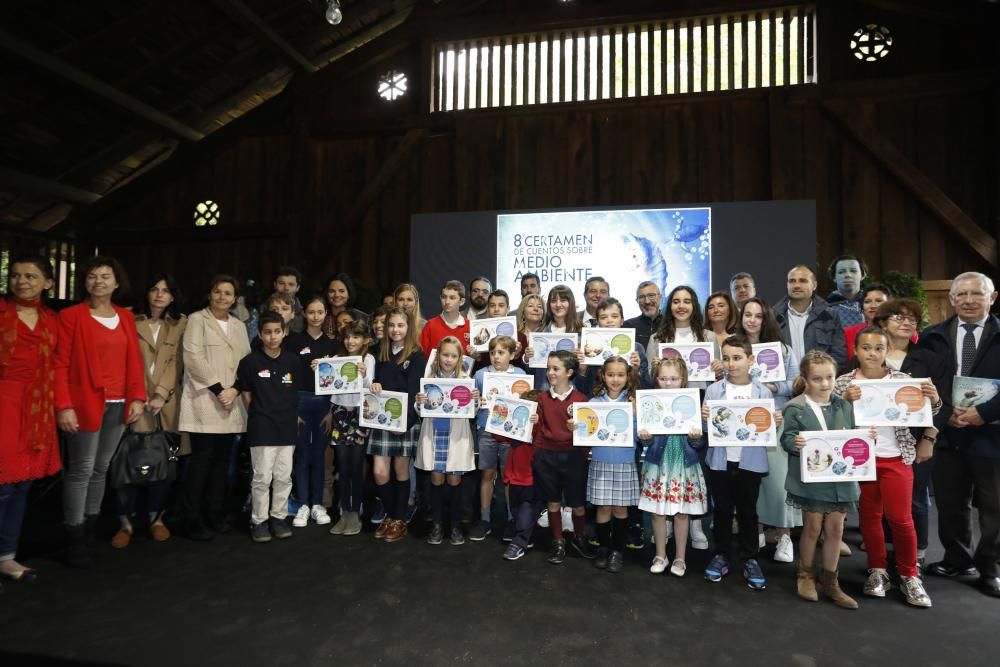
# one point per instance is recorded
(405, 8)
(95, 86)
(18, 181)
(236, 9)
(914, 179)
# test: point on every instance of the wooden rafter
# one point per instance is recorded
(259, 26)
(914, 179)
(18, 181)
(95, 86)
(405, 8)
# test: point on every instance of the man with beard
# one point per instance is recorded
(480, 288)
(648, 296)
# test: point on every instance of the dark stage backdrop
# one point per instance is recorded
(764, 238)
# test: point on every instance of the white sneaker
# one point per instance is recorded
(658, 566)
(567, 519)
(784, 552)
(319, 515)
(543, 519)
(699, 540)
(301, 517)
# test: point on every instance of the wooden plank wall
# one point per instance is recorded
(752, 145)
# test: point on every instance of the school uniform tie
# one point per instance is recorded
(968, 348)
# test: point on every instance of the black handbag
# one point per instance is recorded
(144, 458)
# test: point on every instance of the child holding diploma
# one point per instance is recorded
(890, 495)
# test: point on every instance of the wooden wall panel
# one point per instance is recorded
(755, 145)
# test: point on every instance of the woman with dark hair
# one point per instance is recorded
(210, 409)
(29, 446)
(721, 314)
(871, 297)
(340, 295)
(900, 319)
(100, 387)
(160, 325)
(758, 324)
(682, 322)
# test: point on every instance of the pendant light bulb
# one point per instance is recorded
(333, 14)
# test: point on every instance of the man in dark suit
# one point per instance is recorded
(967, 455)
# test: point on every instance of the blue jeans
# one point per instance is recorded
(311, 446)
(13, 502)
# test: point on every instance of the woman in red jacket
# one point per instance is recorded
(29, 448)
(100, 387)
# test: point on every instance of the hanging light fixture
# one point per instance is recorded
(333, 14)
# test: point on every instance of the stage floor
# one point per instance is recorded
(317, 599)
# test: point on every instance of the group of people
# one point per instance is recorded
(227, 376)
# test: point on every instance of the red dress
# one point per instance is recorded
(29, 446)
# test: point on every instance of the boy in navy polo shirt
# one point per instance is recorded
(265, 379)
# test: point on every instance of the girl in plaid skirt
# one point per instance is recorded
(399, 367)
(612, 480)
(446, 447)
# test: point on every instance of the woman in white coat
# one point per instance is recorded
(210, 409)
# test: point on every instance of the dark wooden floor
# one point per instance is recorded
(319, 599)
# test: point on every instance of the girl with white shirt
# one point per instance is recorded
(890, 495)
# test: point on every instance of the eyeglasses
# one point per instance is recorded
(903, 319)
(969, 296)
(647, 297)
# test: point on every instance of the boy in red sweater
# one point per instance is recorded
(559, 469)
(450, 322)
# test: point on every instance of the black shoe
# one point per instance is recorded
(943, 569)
(77, 551)
(601, 562)
(990, 586)
(480, 531)
(583, 548)
(90, 530)
(220, 526)
(436, 535)
(196, 530)
(279, 528)
(456, 538)
(557, 552)
(616, 560)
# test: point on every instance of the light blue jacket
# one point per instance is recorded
(753, 459)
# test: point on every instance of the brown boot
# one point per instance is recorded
(830, 587)
(806, 584)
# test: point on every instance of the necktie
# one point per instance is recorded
(968, 348)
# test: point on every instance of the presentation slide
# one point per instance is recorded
(669, 246)
(696, 244)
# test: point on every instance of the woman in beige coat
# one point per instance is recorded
(210, 409)
(160, 326)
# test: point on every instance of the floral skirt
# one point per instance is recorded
(672, 487)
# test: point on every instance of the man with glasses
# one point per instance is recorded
(648, 296)
(967, 454)
(480, 289)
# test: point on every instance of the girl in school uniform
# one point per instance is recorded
(612, 480)
(308, 346)
(560, 317)
(346, 437)
(446, 448)
(398, 368)
(673, 483)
